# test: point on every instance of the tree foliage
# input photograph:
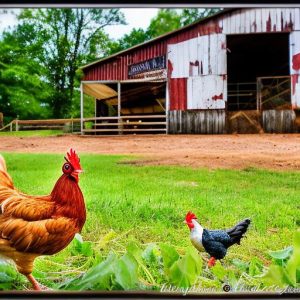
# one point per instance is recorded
(71, 37)
(165, 21)
(41, 56)
(22, 92)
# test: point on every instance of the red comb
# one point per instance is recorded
(190, 216)
(73, 159)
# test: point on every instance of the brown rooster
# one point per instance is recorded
(31, 226)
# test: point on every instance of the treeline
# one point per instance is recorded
(40, 56)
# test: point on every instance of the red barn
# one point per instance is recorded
(236, 71)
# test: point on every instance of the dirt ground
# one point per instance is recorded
(269, 151)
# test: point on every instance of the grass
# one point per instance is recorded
(148, 204)
(31, 133)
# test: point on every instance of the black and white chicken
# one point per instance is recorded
(215, 242)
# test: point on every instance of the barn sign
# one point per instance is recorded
(155, 63)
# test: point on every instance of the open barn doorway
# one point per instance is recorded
(250, 57)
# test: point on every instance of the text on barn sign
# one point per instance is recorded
(155, 63)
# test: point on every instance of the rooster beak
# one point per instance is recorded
(78, 171)
(185, 222)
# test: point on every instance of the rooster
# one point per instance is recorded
(214, 242)
(31, 226)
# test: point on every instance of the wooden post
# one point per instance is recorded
(81, 107)
(119, 107)
(167, 107)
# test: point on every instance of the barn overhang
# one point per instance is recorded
(127, 97)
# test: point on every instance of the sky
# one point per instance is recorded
(135, 17)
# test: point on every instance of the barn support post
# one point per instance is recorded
(81, 108)
(167, 106)
(119, 106)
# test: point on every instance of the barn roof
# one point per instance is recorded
(225, 10)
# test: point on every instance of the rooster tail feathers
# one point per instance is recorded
(5, 179)
(2, 164)
(237, 232)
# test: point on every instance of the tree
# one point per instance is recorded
(190, 15)
(136, 36)
(70, 38)
(22, 92)
(166, 20)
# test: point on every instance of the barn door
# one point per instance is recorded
(207, 81)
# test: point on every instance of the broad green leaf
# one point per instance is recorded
(79, 246)
(135, 251)
(169, 255)
(126, 272)
(184, 271)
(293, 263)
(282, 254)
(275, 276)
(97, 277)
(219, 271)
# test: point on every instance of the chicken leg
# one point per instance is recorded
(211, 262)
(34, 282)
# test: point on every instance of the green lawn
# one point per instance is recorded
(148, 204)
(30, 133)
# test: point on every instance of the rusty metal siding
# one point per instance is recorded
(178, 94)
(203, 55)
(257, 20)
(116, 68)
(206, 92)
(202, 61)
(295, 68)
(200, 50)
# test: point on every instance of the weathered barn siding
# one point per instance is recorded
(203, 61)
(206, 92)
(196, 65)
(205, 54)
(178, 93)
(255, 20)
(116, 67)
(245, 20)
(295, 67)
(193, 121)
(279, 121)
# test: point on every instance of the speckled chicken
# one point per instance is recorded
(215, 242)
(31, 226)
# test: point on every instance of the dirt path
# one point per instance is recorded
(278, 152)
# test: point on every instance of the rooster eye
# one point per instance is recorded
(66, 168)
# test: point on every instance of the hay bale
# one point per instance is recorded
(246, 121)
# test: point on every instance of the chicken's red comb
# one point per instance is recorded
(190, 216)
(73, 159)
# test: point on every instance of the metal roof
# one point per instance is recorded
(225, 10)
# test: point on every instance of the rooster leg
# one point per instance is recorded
(211, 262)
(34, 283)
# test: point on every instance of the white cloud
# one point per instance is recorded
(135, 17)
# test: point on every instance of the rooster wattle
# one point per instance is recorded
(214, 242)
(31, 226)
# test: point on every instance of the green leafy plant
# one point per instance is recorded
(285, 270)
